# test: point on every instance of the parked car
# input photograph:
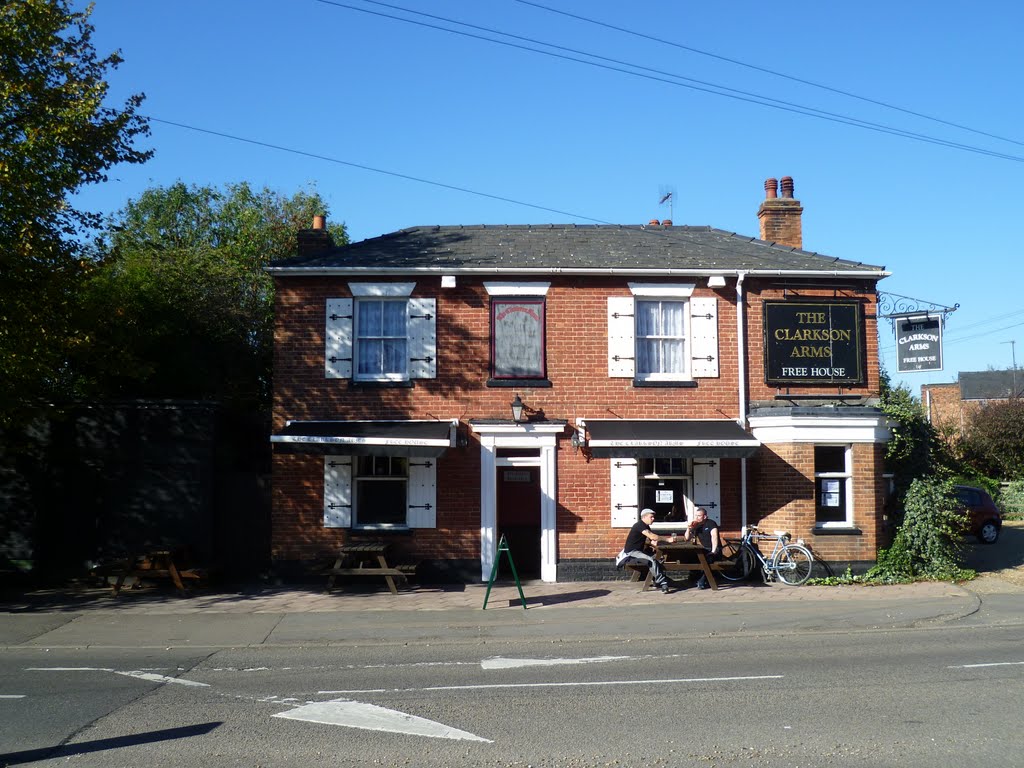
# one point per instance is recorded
(984, 519)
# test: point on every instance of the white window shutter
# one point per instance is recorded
(422, 512)
(338, 355)
(621, 333)
(704, 335)
(337, 491)
(422, 338)
(625, 494)
(707, 488)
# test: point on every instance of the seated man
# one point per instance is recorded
(704, 530)
(638, 538)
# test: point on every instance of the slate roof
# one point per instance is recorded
(990, 385)
(568, 248)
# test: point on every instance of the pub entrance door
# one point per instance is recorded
(518, 507)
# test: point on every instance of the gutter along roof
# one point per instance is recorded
(571, 249)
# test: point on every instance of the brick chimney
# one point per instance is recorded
(316, 240)
(780, 216)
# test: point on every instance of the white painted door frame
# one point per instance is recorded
(544, 439)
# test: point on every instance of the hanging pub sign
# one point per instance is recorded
(918, 344)
(808, 342)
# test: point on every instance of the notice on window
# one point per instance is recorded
(830, 493)
(664, 497)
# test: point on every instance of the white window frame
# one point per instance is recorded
(845, 477)
(341, 504)
(358, 339)
(341, 333)
(680, 375)
(700, 332)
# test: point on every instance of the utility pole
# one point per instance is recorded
(1013, 355)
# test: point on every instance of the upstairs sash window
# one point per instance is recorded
(661, 339)
(381, 339)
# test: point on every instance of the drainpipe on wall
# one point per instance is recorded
(741, 350)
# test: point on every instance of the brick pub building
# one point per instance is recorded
(438, 387)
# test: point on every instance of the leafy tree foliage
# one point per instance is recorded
(181, 304)
(929, 541)
(994, 440)
(56, 135)
(915, 450)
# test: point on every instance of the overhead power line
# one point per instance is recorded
(360, 166)
(663, 77)
(772, 72)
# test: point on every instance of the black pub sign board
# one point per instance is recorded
(814, 342)
(918, 344)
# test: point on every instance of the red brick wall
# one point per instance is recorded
(783, 481)
(577, 358)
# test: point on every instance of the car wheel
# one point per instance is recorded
(988, 533)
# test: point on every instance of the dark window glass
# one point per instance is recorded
(830, 483)
(380, 490)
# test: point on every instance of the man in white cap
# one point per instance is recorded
(637, 540)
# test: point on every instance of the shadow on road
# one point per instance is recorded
(66, 750)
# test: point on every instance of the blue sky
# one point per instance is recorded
(583, 143)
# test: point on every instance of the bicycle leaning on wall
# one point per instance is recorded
(790, 563)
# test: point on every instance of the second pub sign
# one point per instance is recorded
(813, 342)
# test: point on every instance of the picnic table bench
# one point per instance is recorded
(681, 556)
(367, 559)
(159, 564)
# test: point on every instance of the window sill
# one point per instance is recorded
(379, 529)
(354, 384)
(837, 531)
(690, 384)
(523, 383)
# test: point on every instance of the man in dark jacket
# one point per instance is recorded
(704, 531)
(640, 536)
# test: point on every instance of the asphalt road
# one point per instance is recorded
(944, 696)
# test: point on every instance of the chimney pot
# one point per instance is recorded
(654, 222)
(780, 217)
(319, 222)
(666, 223)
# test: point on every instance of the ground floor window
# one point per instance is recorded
(833, 473)
(664, 486)
(381, 488)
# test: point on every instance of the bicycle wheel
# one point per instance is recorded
(793, 564)
(743, 562)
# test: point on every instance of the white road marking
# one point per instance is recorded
(661, 681)
(369, 717)
(499, 662)
(12, 695)
(990, 664)
(152, 677)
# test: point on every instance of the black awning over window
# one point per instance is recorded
(686, 439)
(366, 438)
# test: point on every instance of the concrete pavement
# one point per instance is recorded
(565, 612)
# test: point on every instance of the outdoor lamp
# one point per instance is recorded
(517, 409)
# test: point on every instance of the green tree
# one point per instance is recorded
(56, 135)
(915, 449)
(181, 304)
(993, 443)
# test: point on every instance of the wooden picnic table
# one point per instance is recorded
(367, 558)
(683, 556)
(158, 564)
